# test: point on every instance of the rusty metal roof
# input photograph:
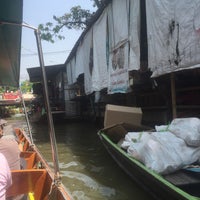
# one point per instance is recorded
(35, 73)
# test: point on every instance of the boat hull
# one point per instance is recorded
(150, 181)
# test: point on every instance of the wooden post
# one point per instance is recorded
(173, 95)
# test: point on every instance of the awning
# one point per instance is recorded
(35, 73)
(10, 41)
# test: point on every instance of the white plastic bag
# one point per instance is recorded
(188, 129)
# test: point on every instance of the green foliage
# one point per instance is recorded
(2, 90)
(78, 19)
(26, 86)
(7, 88)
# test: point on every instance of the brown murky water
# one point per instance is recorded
(87, 170)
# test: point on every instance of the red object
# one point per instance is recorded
(11, 96)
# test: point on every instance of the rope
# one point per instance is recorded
(53, 192)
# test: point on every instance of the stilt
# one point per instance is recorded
(173, 95)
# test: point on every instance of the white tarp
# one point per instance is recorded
(69, 73)
(118, 71)
(87, 63)
(79, 61)
(134, 38)
(118, 22)
(116, 49)
(118, 45)
(100, 71)
(173, 29)
(73, 69)
(70, 69)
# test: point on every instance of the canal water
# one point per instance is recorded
(87, 170)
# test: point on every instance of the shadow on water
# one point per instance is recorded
(87, 169)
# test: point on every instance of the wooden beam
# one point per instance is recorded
(173, 95)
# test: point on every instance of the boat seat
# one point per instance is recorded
(27, 159)
(19, 133)
(181, 178)
(29, 181)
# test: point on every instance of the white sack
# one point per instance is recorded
(134, 137)
(169, 153)
(162, 152)
(135, 142)
(188, 129)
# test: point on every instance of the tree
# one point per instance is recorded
(78, 18)
(8, 88)
(26, 86)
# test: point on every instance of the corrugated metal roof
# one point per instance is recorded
(35, 73)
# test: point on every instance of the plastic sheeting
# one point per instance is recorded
(114, 39)
(173, 29)
(164, 151)
(87, 50)
(118, 70)
(134, 32)
(71, 71)
(124, 29)
(187, 129)
(100, 71)
(118, 22)
(79, 61)
(118, 45)
(112, 58)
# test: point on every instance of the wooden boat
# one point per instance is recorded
(179, 185)
(36, 178)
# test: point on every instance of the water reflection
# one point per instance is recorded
(87, 170)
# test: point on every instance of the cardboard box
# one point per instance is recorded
(122, 114)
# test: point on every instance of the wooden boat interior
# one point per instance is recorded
(29, 181)
(35, 178)
(186, 180)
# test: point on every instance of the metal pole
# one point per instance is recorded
(49, 114)
(57, 177)
(26, 117)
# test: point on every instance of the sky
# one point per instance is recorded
(39, 12)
